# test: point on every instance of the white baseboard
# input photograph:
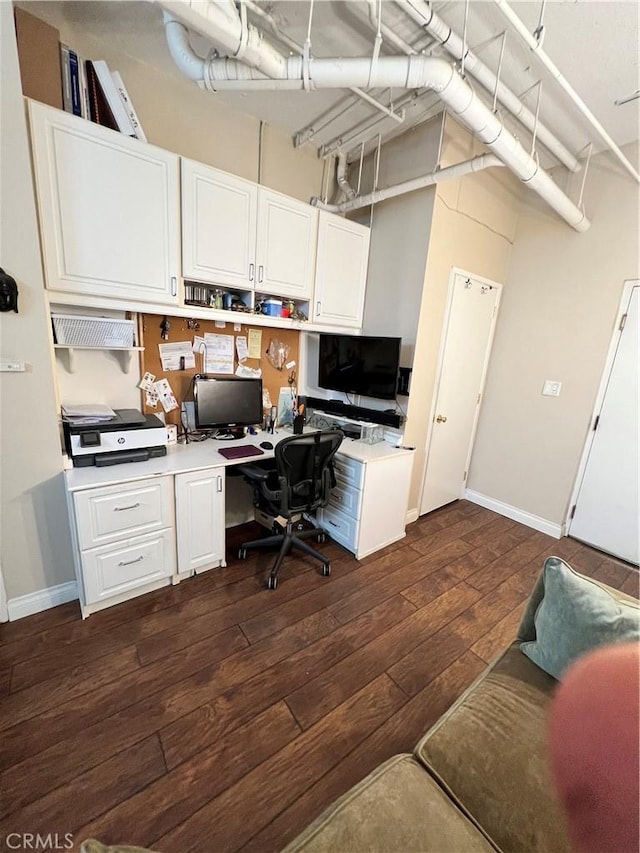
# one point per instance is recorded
(43, 599)
(515, 514)
(412, 515)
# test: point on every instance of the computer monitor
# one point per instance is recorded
(227, 403)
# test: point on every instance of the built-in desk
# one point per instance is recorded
(139, 526)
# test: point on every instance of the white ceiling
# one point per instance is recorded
(594, 44)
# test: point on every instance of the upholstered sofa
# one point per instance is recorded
(479, 778)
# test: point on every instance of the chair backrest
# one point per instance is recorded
(304, 467)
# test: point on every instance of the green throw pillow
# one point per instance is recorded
(575, 616)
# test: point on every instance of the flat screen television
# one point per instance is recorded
(367, 366)
(226, 403)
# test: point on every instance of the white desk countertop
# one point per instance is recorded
(200, 455)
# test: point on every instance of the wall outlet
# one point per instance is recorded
(551, 388)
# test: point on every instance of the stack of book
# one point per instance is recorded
(91, 90)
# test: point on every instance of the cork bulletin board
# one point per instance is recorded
(183, 329)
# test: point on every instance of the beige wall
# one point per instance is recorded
(473, 229)
(556, 322)
(35, 549)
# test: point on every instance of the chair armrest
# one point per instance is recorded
(254, 472)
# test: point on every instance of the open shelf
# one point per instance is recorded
(125, 354)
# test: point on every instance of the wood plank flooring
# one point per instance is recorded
(219, 716)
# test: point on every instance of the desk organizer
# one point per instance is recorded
(367, 433)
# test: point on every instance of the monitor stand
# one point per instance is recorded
(230, 434)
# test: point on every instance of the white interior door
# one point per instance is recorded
(467, 339)
(606, 509)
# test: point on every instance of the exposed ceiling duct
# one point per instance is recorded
(459, 170)
(422, 13)
(262, 67)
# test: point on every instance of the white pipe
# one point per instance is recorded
(342, 179)
(484, 161)
(562, 81)
(423, 14)
(245, 44)
(414, 72)
(191, 65)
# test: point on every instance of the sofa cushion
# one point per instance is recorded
(573, 614)
(489, 752)
(397, 807)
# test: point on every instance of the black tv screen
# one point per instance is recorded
(359, 365)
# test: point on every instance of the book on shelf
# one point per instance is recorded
(65, 70)
(107, 106)
(128, 105)
(99, 109)
(71, 82)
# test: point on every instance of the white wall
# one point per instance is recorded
(556, 322)
(35, 549)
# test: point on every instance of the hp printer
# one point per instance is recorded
(128, 437)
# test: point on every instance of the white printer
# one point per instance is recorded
(130, 436)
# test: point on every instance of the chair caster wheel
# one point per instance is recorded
(242, 554)
(272, 583)
(322, 537)
(326, 570)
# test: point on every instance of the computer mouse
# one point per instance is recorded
(266, 445)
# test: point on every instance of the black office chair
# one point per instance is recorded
(300, 483)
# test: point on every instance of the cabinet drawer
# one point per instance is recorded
(340, 527)
(109, 513)
(346, 499)
(114, 569)
(348, 470)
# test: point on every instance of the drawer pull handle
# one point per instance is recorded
(131, 562)
(123, 508)
(332, 523)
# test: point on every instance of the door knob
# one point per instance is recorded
(441, 419)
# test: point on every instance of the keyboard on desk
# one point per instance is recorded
(240, 451)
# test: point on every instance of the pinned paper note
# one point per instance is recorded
(166, 395)
(198, 343)
(241, 348)
(151, 398)
(255, 343)
(219, 353)
(177, 356)
(245, 372)
(147, 381)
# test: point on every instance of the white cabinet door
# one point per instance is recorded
(219, 214)
(341, 271)
(200, 520)
(109, 209)
(286, 245)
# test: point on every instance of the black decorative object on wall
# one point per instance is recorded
(8, 292)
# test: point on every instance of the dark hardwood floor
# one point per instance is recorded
(219, 716)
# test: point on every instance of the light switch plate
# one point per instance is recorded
(551, 388)
(12, 366)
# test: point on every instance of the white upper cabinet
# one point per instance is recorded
(109, 210)
(219, 216)
(341, 271)
(286, 245)
(238, 233)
